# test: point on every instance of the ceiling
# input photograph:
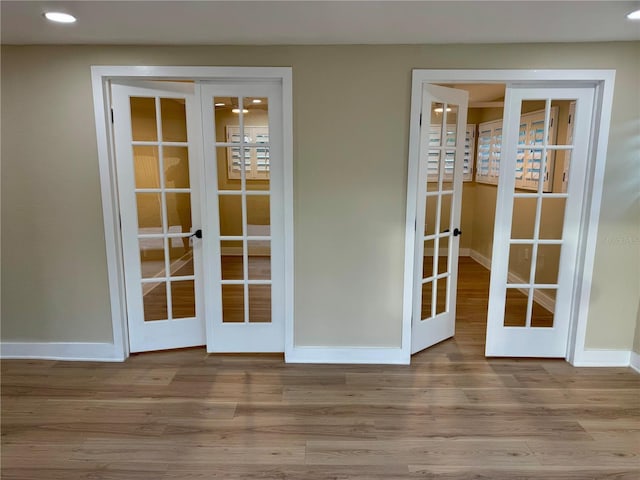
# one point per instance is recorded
(318, 22)
(481, 92)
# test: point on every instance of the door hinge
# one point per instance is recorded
(112, 115)
(551, 123)
(420, 119)
(570, 119)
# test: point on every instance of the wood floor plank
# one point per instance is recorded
(510, 473)
(451, 414)
(597, 453)
(410, 451)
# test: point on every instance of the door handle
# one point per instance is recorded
(456, 232)
(197, 234)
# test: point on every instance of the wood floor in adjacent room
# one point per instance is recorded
(452, 414)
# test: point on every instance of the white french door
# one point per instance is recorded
(244, 223)
(437, 231)
(156, 132)
(535, 249)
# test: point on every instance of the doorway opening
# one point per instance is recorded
(197, 197)
(527, 217)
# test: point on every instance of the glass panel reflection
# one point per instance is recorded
(183, 299)
(146, 166)
(524, 217)
(259, 303)
(449, 164)
(149, 212)
(225, 117)
(227, 180)
(520, 263)
(257, 113)
(542, 314)
(427, 263)
(176, 167)
(431, 205)
(441, 295)
(515, 310)
(232, 303)
(433, 170)
(230, 209)
(179, 213)
(174, 119)
(181, 257)
(259, 258)
(552, 218)
(231, 259)
(258, 215)
(445, 212)
(154, 299)
(427, 300)
(152, 257)
(143, 119)
(443, 255)
(547, 264)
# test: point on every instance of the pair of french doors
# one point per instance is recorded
(200, 185)
(535, 248)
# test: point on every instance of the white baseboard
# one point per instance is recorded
(347, 355)
(602, 358)
(94, 352)
(635, 361)
(481, 259)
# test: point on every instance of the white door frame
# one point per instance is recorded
(603, 82)
(101, 77)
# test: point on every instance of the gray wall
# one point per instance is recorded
(351, 112)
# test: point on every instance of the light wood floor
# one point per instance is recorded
(452, 414)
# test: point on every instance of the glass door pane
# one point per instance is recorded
(440, 162)
(242, 141)
(163, 194)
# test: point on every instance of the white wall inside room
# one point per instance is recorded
(351, 128)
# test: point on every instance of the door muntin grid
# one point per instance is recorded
(436, 237)
(160, 153)
(535, 247)
(245, 246)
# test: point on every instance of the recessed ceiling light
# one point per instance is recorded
(256, 100)
(439, 109)
(237, 110)
(220, 104)
(634, 15)
(60, 17)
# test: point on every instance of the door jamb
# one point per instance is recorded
(101, 77)
(603, 81)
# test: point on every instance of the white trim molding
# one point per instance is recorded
(634, 362)
(361, 355)
(77, 351)
(602, 358)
